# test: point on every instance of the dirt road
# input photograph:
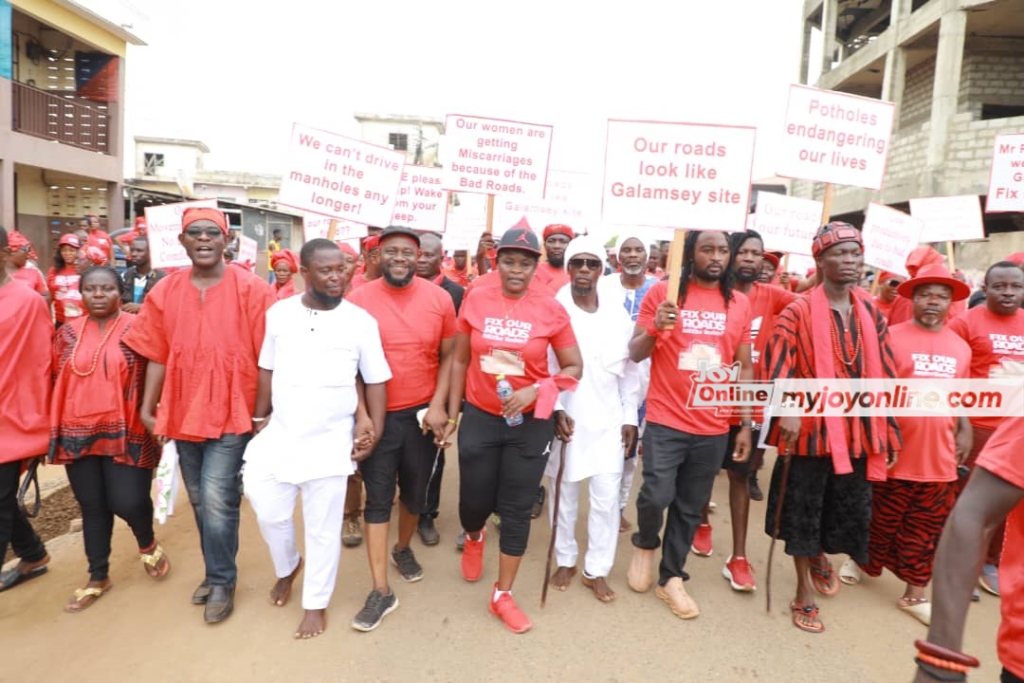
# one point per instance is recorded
(144, 630)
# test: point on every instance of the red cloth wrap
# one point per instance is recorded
(346, 248)
(824, 368)
(547, 394)
(203, 213)
(559, 229)
(287, 256)
(16, 241)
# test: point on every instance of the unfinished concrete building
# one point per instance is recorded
(954, 69)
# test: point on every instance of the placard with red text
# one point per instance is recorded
(889, 237)
(163, 225)
(421, 204)
(495, 156)
(1006, 179)
(787, 224)
(949, 219)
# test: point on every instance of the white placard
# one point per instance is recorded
(571, 200)
(949, 219)
(787, 224)
(495, 156)
(248, 250)
(463, 231)
(421, 204)
(1006, 179)
(834, 137)
(889, 237)
(314, 226)
(163, 225)
(799, 264)
(341, 177)
(688, 176)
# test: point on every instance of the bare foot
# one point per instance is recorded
(602, 591)
(314, 622)
(624, 524)
(563, 577)
(282, 590)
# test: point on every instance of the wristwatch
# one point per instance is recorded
(747, 423)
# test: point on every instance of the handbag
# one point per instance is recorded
(31, 480)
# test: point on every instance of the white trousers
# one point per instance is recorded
(628, 470)
(323, 509)
(602, 524)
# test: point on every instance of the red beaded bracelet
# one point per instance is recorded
(945, 654)
(942, 663)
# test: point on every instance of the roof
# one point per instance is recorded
(172, 141)
(222, 203)
(399, 118)
(107, 25)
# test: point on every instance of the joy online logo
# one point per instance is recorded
(718, 387)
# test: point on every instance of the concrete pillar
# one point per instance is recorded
(7, 216)
(948, 64)
(829, 14)
(894, 79)
(115, 207)
(805, 53)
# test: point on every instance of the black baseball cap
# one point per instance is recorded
(394, 230)
(522, 239)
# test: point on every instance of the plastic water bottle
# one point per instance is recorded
(504, 391)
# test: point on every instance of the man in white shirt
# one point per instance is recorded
(314, 418)
(599, 419)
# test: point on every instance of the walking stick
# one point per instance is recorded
(554, 522)
(777, 523)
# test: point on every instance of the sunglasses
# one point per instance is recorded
(590, 263)
(210, 231)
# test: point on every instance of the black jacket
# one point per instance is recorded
(128, 278)
(455, 291)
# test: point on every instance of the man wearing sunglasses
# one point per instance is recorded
(202, 329)
(886, 297)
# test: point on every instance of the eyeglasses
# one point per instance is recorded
(893, 283)
(211, 231)
(590, 263)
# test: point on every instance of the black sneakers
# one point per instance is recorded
(428, 532)
(407, 565)
(376, 608)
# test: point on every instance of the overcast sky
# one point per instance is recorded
(236, 76)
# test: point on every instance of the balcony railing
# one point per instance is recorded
(55, 117)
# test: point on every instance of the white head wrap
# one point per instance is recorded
(586, 244)
(631, 233)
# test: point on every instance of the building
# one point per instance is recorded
(418, 137)
(61, 118)
(955, 70)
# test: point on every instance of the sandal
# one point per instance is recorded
(805, 617)
(850, 573)
(823, 576)
(919, 608)
(156, 563)
(85, 597)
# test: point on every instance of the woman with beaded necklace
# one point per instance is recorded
(97, 434)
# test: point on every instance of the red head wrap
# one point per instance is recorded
(347, 248)
(287, 256)
(372, 242)
(558, 229)
(16, 241)
(922, 256)
(202, 213)
(832, 234)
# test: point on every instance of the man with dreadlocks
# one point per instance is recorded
(828, 462)
(706, 326)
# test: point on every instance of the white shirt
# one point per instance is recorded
(315, 356)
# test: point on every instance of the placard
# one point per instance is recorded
(341, 177)
(495, 156)
(570, 199)
(949, 219)
(834, 137)
(248, 251)
(463, 231)
(889, 237)
(787, 224)
(314, 226)
(677, 175)
(1006, 178)
(421, 203)
(163, 225)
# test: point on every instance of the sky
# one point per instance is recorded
(237, 79)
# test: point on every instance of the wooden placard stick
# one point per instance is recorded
(675, 267)
(951, 255)
(332, 229)
(490, 214)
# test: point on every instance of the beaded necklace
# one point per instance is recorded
(95, 356)
(838, 343)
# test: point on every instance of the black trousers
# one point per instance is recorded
(15, 529)
(1010, 677)
(103, 489)
(500, 468)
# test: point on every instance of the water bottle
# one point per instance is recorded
(504, 391)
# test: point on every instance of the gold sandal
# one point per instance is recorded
(153, 561)
(88, 592)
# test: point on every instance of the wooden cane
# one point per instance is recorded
(554, 522)
(776, 525)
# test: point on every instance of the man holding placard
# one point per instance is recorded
(708, 329)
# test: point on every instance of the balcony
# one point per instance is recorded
(54, 117)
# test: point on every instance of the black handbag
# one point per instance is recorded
(31, 479)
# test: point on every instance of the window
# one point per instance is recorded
(152, 161)
(399, 141)
(1000, 111)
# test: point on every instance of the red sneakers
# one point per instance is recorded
(473, 557)
(506, 609)
(702, 541)
(740, 574)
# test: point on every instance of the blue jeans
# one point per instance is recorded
(211, 471)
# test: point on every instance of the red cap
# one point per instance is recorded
(370, 243)
(69, 240)
(140, 224)
(771, 258)
(1016, 259)
(203, 213)
(558, 229)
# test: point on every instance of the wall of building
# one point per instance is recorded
(92, 35)
(177, 158)
(991, 79)
(376, 132)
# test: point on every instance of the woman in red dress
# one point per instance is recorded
(285, 264)
(97, 434)
(62, 280)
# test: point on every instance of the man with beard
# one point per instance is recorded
(371, 262)
(630, 286)
(428, 267)
(994, 332)
(417, 326)
(140, 277)
(599, 418)
(552, 273)
(683, 447)
(202, 329)
(317, 408)
(766, 301)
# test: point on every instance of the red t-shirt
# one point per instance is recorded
(510, 337)
(413, 321)
(99, 238)
(551, 277)
(884, 308)
(67, 300)
(705, 329)
(31, 277)
(930, 453)
(997, 347)
(766, 302)
(1002, 457)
